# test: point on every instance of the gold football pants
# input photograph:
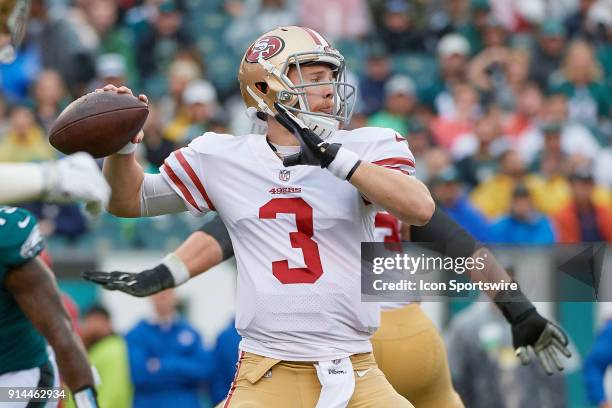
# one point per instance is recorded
(411, 353)
(269, 383)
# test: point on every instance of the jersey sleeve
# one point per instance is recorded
(184, 170)
(20, 238)
(389, 149)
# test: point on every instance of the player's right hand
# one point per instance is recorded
(129, 148)
(76, 178)
(145, 283)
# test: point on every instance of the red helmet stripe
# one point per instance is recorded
(318, 38)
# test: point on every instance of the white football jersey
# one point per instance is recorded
(296, 234)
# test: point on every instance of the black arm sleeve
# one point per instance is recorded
(216, 229)
(441, 229)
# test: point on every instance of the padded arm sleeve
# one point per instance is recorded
(157, 197)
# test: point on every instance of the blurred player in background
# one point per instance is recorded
(31, 310)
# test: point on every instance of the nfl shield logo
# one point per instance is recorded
(284, 175)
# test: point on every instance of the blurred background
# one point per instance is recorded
(505, 104)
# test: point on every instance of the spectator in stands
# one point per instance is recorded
(577, 141)
(485, 370)
(420, 142)
(168, 362)
(111, 69)
(449, 194)
(50, 98)
(434, 161)
(474, 28)
(398, 30)
(111, 38)
(547, 55)
(339, 19)
(596, 363)
(524, 119)
(499, 74)
(107, 352)
(253, 17)
(182, 71)
(477, 153)
(453, 51)
(61, 48)
(160, 39)
(588, 97)
(600, 23)
(493, 196)
(523, 224)
(551, 189)
(200, 101)
(588, 216)
(445, 18)
(576, 22)
(25, 140)
(226, 357)
(459, 117)
(376, 74)
(400, 104)
(156, 146)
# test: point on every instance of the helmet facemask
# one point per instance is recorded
(294, 97)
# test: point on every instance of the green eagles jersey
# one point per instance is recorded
(21, 345)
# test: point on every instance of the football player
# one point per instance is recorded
(407, 346)
(297, 203)
(31, 312)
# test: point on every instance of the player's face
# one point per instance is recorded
(320, 98)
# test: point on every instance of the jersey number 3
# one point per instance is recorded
(302, 238)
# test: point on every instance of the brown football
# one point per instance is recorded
(99, 123)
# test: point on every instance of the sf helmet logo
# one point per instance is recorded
(265, 47)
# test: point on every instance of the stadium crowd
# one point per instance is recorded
(505, 104)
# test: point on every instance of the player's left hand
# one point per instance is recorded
(543, 337)
(313, 150)
(145, 283)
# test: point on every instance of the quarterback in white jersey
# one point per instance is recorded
(297, 202)
(296, 232)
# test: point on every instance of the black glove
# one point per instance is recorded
(140, 284)
(532, 331)
(314, 151)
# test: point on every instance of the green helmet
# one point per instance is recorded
(13, 19)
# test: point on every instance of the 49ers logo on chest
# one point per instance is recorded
(265, 47)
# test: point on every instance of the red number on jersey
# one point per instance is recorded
(387, 222)
(302, 238)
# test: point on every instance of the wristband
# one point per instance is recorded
(86, 398)
(177, 268)
(129, 148)
(513, 304)
(344, 163)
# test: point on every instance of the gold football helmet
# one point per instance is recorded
(263, 76)
(13, 19)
